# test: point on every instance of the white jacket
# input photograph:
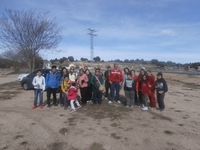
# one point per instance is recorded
(39, 82)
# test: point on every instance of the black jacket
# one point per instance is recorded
(161, 85)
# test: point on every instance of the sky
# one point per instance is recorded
(167, 30)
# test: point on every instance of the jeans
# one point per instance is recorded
(114, 86)
(36, 93)
(49, 91)
(107, 87)
(160, 99)
(97, 96)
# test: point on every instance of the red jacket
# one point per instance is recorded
(151, 80)
(116, 76)
(145, 88)
(72, 93)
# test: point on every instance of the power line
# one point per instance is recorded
(91, 32)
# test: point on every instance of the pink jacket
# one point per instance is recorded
(83, 81)
(72, 93)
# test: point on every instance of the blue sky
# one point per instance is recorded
(167, 30)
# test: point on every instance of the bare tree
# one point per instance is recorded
(27, 33)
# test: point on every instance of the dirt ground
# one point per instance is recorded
(105, 127)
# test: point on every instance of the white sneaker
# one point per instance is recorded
(110, 102)
(106, 98)
(145, 108)
(127, 106)
(73, 110)
(119, 102)
(78, 107)
(132, 106)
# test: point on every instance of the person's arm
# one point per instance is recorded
(63, 87)
(44, 84)
(165, 86)
(92, 80)
(110, 77)
(34, 81)
(86, 78)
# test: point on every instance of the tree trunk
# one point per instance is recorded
(29, 65)
(33, 64)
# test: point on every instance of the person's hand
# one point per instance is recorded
(110, 82)
(160, 92)
(150, 86)
(66, 93)
(42, 91)
(82, 81)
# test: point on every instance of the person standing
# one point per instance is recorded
(135, 77)
(83, 85)
(151, 80)
(65, 85)
(140, 78)
(145, 90)
(162, 88)
(129, 89)
(72, 74)
(39, 87)
(64, 72)
(52, 84)
(107, 83)
(96, 81)
(89, 90)
(116, 79)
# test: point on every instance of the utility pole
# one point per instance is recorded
(91, 32)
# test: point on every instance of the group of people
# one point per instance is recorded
(89, 87)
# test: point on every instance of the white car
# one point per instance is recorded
(21, 76)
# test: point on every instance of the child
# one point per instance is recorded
(129, 89)
(96, 81)
(161, 87)
(72, 97)
(145, 91)
(65, 85)
(39, 87)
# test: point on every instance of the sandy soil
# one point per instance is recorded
(105, 127)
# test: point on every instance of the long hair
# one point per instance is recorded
(61, 73)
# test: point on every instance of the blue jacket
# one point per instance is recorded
(52, 80)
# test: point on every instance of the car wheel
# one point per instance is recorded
(25, 86)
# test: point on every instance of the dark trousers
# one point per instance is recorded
(89, 93)
(49, 92)
(136, 98)
(107, 87)
(66, 103)
(84, 95)
(61, 96)
(140, 97)
(160, 99)
(36, 93)
(114, 86)
(97, 96)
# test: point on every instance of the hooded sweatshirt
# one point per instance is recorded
(116, 76)
(161, 85)
(145, 88)
(72, 93)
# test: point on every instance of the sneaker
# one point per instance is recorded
(110, 102)
(73, 110)
(41, 106)
(78, 107)
(119, 102)
(145, 108)
(33, 107)
(61, 105)
(127, 106)
(162, 110)
(48, 106)
(55, 104)
(132, 107)
(106, 97)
